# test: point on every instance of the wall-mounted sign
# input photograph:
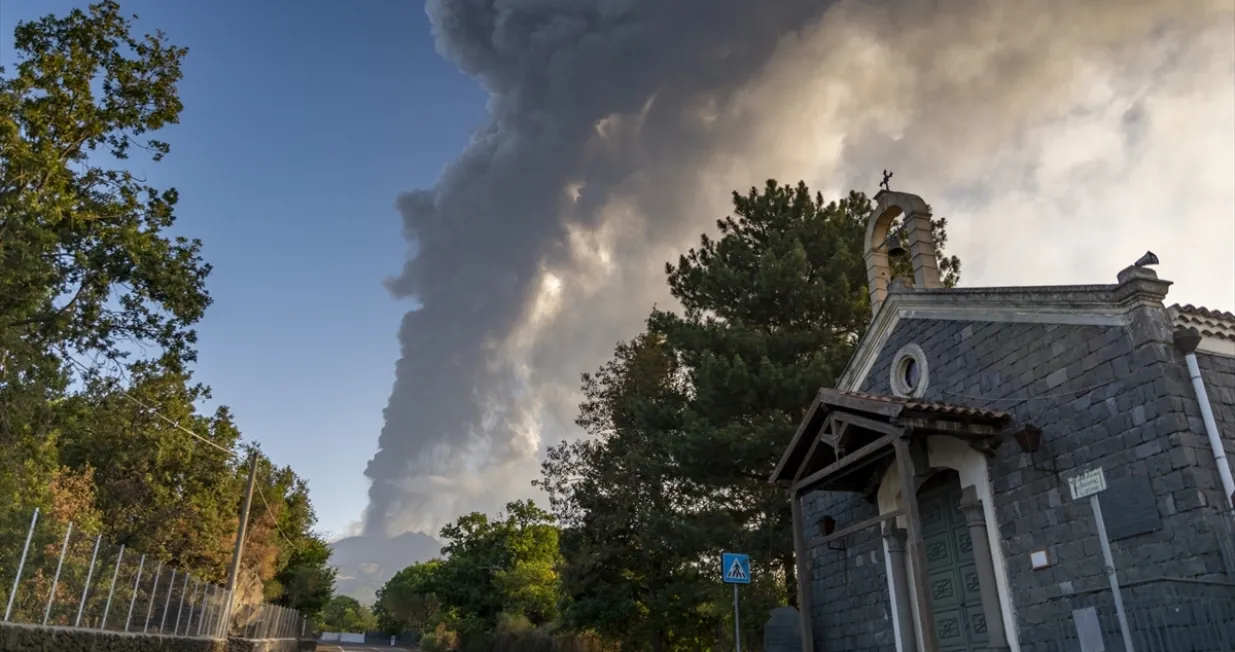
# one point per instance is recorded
(1087, 483)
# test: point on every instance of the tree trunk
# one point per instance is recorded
(791, 579)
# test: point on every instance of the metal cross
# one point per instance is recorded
(886, 177)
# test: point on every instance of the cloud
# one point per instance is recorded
(1062, 139)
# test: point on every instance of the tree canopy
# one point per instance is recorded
(100, 418)
(686, 422)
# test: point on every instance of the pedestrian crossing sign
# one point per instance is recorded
(735, 568)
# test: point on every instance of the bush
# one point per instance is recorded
(440, 640)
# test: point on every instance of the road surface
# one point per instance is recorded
(359, 647)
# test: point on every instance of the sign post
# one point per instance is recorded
(735, 570)
(1088, 485)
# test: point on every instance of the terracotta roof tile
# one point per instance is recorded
(933, 408)
(1201, 311)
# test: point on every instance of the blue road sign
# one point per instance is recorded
(735, 568)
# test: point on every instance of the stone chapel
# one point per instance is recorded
(1018, 468)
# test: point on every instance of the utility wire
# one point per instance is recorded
(273, 520)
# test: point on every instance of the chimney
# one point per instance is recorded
(917, 225)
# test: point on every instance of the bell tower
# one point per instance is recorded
(917, 226)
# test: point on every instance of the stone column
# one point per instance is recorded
(975, 518)
(922, 251)
(895, 537)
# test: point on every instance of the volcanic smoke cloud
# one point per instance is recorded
(1062, 138)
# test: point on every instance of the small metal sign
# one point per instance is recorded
(1087, 484)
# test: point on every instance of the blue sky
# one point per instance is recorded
(302, 122)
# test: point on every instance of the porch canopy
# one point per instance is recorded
(848, 440)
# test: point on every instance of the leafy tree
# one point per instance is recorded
(632, 532)
(88, 265)
(307, 579)
(493, 567)
(85, 261)
(89, 271)
(687, 422)
(771, 312)
(483, 555)
(408, 601)
(346, 614)
(163, 492)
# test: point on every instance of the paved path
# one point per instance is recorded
(359, 647)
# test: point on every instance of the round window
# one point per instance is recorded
(909, 372)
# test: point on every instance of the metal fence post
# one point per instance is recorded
(136, 584)
(112, 591)
(203, 608)
(223, 618)
(168, 602)
(154, 590)
(51, 595)
(180, 608)
(21, 565)
(81, 605)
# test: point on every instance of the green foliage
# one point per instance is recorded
(408, 602)
(98, 303)
(346, 614)
(495, 570)
(687, 422)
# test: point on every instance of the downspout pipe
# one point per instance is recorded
(1187, 340)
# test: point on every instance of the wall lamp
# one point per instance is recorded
(1029, 438)
(827, 525)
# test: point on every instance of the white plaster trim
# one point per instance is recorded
(915, 304)
(898, 385)
(951, 453)
(1216, 346)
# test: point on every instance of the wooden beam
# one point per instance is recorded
(867, 423)
(856, 527)
(888, 409)
(917, 552)
(801, 559)
(947, 427)
(810, 454)
(844, 462)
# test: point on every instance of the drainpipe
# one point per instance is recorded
(1186, 340)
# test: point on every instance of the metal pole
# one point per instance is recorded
(737, 627)
(136, 584)
(81, 606)
(180, 609)
(1110, 573)
(238, 552)
(167, 602)
(21, 565)
(224, 624)
(154, 591)
(112, 591)
(51, 596)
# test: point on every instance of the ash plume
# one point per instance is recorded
(1060, 137)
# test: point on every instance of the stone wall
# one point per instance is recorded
(1104, 396)
(849, 597)
(32, 638)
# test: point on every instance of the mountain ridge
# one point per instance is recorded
(366, 563)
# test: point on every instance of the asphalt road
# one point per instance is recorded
(359, 647)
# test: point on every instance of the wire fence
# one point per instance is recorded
(53, 574)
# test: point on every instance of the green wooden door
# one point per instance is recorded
(952, 579)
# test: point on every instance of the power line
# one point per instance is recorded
(261, 494)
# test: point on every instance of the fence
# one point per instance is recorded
(53, 574)
(1163, 615)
